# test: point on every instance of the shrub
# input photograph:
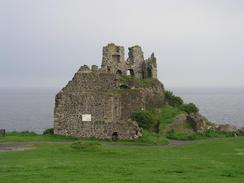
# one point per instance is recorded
(144, 119)
(211, 133)
(173, 100)
(216, 133)
(189, 108)
(28, 132)
(23, 133)
(48, 131)
(240, 133)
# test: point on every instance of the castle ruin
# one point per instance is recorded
(98, 102)
(113, 61)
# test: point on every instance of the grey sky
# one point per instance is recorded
(198, 43)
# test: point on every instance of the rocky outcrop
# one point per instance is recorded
(189, 123)
(226, 128)
(180, 124)
(198, 122)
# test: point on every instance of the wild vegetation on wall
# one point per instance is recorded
(138, 83)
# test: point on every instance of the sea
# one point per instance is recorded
(32, 109)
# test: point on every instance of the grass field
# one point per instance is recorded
(202, 161)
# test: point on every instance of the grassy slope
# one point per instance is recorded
(213, 160)
(167, 115)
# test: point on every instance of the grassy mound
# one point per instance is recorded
(156, 119)
(87, 146)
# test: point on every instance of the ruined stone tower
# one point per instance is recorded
(98, 102)
(113, 61)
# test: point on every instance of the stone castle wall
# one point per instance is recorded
(93, 104)
(91, 93)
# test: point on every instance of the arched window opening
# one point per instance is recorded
(108, 68)
(130, 72)
(149, 72)
(119, 72)
(115, 136)
(124, 86)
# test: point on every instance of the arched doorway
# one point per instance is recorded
(115, 136)
(149, 72)
(130, 72)
(124, 86)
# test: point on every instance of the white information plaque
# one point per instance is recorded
(86, 117)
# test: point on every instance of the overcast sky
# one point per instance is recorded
(198, 43)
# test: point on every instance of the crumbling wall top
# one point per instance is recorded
(135, 54)
(84, 69)
(113, 62)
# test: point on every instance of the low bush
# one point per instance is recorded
(176, 101)
(144, 119)
(189, 108)
(240, 133)
(23, 133)
(217, 133)
(48, 131)
(173, 100)
(211, 133)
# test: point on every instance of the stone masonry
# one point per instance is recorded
(98, 103)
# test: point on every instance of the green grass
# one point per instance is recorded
(148, 138)
(87, 145)
(183, 135)
(168, 114)
(30, 136)
(205, 161)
